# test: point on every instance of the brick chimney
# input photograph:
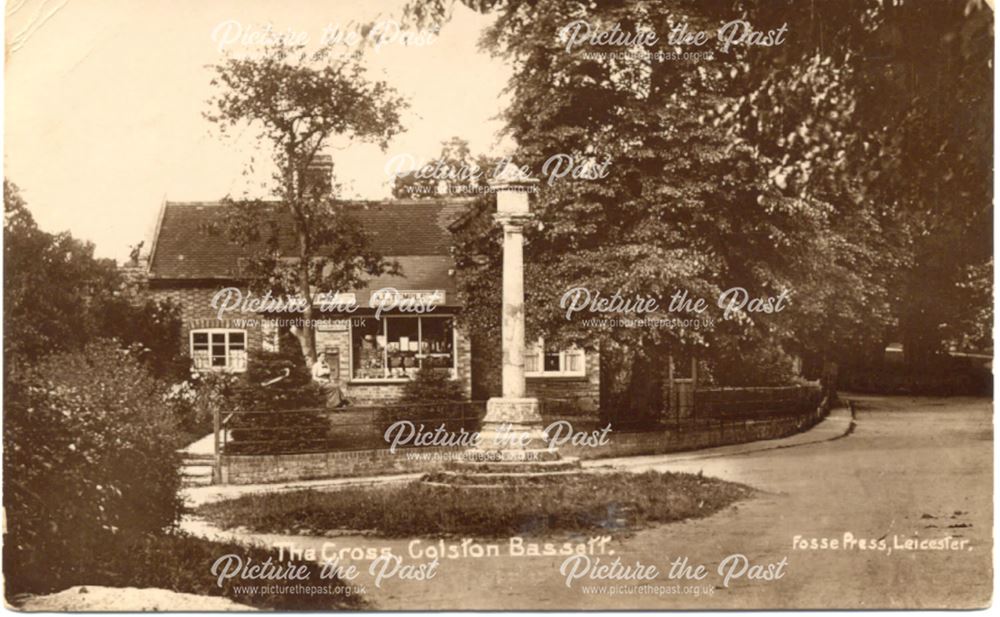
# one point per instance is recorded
(319, 174)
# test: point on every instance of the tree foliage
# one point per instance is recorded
(455, 173)
(298, 103)
(831, 166)
(58, 297)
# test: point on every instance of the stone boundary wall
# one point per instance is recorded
(708, 434)
(259, 469)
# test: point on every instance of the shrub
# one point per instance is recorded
(283, 417)
(431, 385)
(89, 455)
(152, 328)
(430, 398)
(758, 361)
(194, 401)
(294, 390)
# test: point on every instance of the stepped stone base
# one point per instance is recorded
(505, 478)
(512, 449)
(520, 466)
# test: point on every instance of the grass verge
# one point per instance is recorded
(181, 562)
(617, 502)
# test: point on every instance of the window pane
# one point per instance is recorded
(237, 340)
(368, 350)
(437, 340)
(403, 346)
(532, 357)
(201, 359)
(200, 340)
(574, 361)
(551, 361)
(238, 360)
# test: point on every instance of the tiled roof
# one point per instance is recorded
(191, 240)
(418, 272)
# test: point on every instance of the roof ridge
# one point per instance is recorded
(442, 201)
(189, 242)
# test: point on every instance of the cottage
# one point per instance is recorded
(372, 350)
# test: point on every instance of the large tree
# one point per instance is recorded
(299, 103)
(454, 173)
(764, 167)
(910, 85)
(58, 297)
(49, 282)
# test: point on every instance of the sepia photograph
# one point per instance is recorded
(497, 305)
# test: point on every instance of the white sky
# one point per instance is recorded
(104, 103)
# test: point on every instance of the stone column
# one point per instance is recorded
(513, 304)
(513, 422)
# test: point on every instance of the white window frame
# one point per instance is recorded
(538, 349)
(229, 367)
(385, 362)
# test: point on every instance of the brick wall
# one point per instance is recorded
(697, 436)
(196, 310)
(583, 394)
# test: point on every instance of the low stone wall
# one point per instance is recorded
(697, 436)
(257, 469)
(264, 468)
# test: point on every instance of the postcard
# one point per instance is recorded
(614, 305)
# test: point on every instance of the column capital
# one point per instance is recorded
(515, 222)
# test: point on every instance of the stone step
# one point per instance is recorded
(494, 480)
(526, 467)
(196, 456)
(531, 455)
(208, 464)
(188, 481)
(196, 470)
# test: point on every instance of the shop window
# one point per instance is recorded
(395, 348)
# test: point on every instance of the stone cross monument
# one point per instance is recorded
(513, 423)
(511, 440)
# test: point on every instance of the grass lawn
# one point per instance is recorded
(617, 502)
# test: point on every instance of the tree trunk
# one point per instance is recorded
(295, 192)
(307, 333)
(645, 389)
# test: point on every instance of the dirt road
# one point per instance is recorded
(906, 500)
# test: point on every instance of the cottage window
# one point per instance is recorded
(395, 348)
(219, 350)
(542, 361)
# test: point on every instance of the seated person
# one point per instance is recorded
(321, 374)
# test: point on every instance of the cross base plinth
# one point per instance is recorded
(512, 444)
(512, 425)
